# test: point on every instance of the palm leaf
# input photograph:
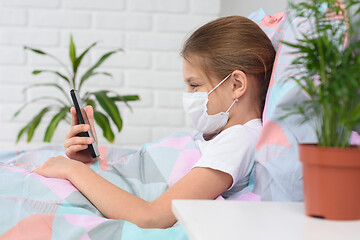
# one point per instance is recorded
(107, 103)
(35, 100)
(72, 51)
(79, 59)
(102, 73)
(104, 123)
(96, 65)
(36, 72)
(21, 132)
(54, 123)
(32, 125)
(35, 50)
(109, 107)
(356, 113)
(35, 123)
(90, 102)
(125, 99)
(49, 85)
(49, 55)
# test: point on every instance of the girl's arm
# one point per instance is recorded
(115, 203)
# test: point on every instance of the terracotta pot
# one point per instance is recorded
(331, 181)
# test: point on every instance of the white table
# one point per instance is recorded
(207, 220)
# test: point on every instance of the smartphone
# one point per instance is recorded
(81, 114)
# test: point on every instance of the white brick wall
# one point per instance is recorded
(151, 32)
(174, 6)
(59, 18)
(33, 37)
(31, 3)
(13, 17)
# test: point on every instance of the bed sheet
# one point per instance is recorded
(36, 207)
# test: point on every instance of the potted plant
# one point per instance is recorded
(59, 106)
(329, 57)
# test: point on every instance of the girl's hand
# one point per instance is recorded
(57, 167)
(76, 147)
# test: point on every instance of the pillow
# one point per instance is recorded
(272, 25)
(277, 174)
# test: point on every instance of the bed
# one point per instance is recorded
(35, 207)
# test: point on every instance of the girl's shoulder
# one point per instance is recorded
(237, 136)
(241, 131)
(254, 126)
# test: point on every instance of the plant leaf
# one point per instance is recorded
(35, 100)
(48, 85)
(21, 132)
(79, 59)
(49, 55)
(54, 123)
(109, 107)
(125, 99)
(72, 51)
(104, 123)
(35, 50)
(102, 73)
(96, 65)
(35, 123)
(36, 72)
(90, 102)
(356, 113)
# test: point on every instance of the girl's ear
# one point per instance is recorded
(239, 83)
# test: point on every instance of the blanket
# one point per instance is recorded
(36, 207)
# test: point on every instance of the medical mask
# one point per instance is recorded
(195, 105)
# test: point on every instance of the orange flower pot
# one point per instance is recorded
(331, 179)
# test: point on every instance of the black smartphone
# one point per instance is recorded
(81, 114)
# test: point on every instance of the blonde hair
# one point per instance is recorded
(233, 43)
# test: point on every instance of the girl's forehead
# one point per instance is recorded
(190, 66)
(193, 71)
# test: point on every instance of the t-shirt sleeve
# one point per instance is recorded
(232, 152)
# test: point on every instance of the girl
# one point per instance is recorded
(227, 65)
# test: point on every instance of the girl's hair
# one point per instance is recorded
(233, 43)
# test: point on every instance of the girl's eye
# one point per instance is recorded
(193, 86)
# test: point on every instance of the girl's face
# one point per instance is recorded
(197, 81)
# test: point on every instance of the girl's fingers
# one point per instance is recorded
(73, 140)
(74, 118)
(75, 130)
(74, 149)
(90, 114)
(78, 141)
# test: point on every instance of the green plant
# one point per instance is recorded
(60, 107)
(329, 58)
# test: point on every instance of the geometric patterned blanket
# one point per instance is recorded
(36, 207)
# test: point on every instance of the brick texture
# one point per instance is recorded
(174, 6)
(13, 17)
(151, 34)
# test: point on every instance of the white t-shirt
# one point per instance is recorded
(231, 151)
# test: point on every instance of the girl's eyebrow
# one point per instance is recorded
(190, 79)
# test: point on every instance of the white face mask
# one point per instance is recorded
(195, 105)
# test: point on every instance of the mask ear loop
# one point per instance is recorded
(220, 83)
(235, 101)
